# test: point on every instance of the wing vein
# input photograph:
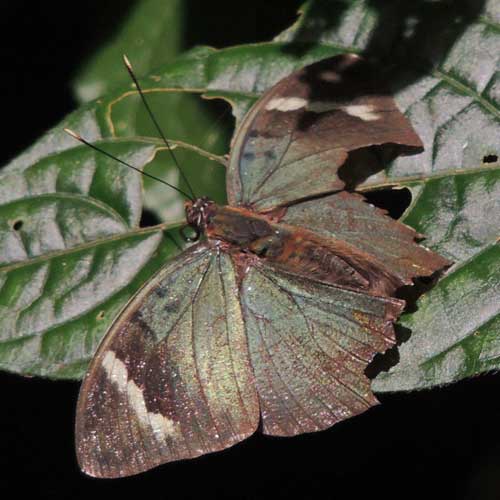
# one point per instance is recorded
(240, 397)
(298, 358)
(331, 376)
(299, 405)
(274, 169)
(349, 320)
(195, 356)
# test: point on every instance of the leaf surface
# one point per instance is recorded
(72, 255)
(443, 70)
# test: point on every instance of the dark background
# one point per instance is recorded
(442, 443)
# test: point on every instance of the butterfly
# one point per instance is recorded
(272, 317)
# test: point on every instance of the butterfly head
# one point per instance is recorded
(199, 212)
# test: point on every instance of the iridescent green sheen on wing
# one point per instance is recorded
(310, 344)
(296, 137)
(172, 379)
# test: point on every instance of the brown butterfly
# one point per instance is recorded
(272, 318)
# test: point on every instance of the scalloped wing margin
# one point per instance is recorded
(310, 344)
(348, 217)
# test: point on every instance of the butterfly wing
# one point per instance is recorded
(310, 344)
(294, 139)
(172, 379)
(348, 217)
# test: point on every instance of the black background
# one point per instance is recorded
(443, 443)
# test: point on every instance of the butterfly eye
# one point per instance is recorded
(191, 236)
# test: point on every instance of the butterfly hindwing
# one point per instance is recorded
(348, 217)
(294, 139)
(310, 344)
(172, 379)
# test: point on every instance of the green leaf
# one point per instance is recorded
(71, 254)
(455, 332)
(55, 309)
(457, 322)
(442, 67)
(151, 36)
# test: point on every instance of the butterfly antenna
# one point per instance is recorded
(109, 155)
(156, 124)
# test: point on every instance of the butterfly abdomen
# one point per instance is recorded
(331, 261)
(335, 261)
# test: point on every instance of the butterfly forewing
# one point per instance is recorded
(293, 141)
(172, 378)
(310, 344)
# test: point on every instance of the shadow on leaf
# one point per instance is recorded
(408, 41)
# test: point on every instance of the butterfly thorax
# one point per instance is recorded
(293, 249)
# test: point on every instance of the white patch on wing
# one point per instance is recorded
(364, 111)
(330, 76)
(347, 61)
(117, 373)
(286, 103)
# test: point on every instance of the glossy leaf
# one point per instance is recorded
(150, 35)
(455, 329)
(449, 91)
(471, 341)
(55, 309)
(72, 255)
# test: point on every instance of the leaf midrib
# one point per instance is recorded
(423, 178)
(92, 244)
